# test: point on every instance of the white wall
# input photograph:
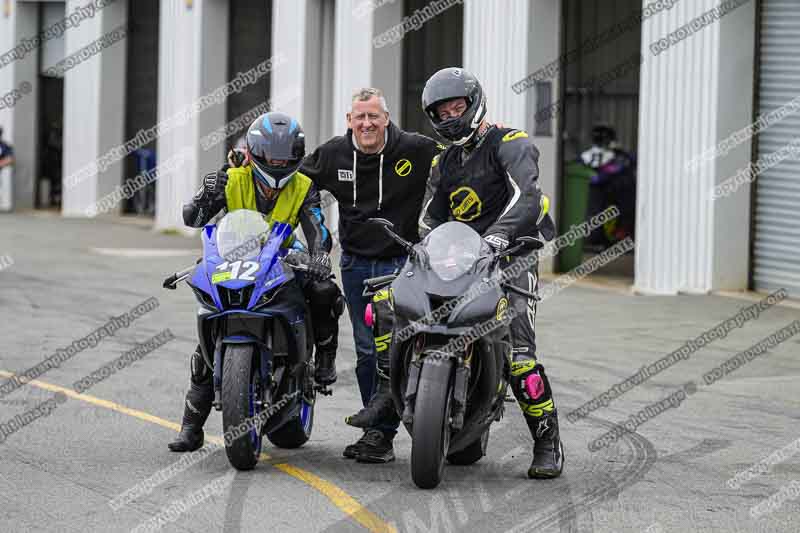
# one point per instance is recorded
(19, 123)
(543, 46)
(692, 96)
(503, 43)
(353, 52)
(203, 41)
(93, 109)
(289, 38)
(387, 61)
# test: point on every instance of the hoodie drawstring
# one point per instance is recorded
(380, 183)
(354, 178)
(380, 180)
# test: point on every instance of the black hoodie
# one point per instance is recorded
(389, 184)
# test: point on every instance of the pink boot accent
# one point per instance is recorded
(368, 316)
(534, 385)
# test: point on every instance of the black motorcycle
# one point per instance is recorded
(451, 349)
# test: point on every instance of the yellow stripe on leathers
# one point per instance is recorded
(347, 504)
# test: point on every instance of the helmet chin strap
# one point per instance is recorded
(477, 136)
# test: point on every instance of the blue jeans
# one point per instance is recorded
(355, 269)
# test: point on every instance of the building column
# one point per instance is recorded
(387, 61)
(18, 21)
(94, 114)
(193, 49)
(503, 43)
(353, 57)
(692, 96)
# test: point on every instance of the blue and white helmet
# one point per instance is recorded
(276, 146)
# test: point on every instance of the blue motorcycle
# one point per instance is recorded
(255, 334)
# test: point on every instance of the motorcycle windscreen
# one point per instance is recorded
(453, 248)
(241, 234)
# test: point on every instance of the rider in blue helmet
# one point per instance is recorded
(265, 178)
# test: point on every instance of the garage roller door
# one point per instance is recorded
(776, 250)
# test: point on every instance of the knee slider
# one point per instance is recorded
(201, 374)
(338, 306)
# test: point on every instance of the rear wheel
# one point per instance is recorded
(241, 390)
(431, 436)
(472, 453)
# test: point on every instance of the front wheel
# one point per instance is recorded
(431, 428)
(241, 394)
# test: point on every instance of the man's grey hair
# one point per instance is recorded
(365, 93)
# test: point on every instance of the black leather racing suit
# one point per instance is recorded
(491, 185)
(493, 188)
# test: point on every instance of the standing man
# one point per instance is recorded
(6, 152)
(374, 170)
(6, 161)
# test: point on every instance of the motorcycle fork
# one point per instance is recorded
(460, 385)
(217, 403)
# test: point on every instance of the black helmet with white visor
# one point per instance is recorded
(276, 146)
(447, 84)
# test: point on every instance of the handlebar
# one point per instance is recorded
(380, 280)
(372, 285)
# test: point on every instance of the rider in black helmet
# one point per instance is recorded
(267, 180)
(487, 179)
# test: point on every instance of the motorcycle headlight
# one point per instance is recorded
(267, 297)
(204, 299)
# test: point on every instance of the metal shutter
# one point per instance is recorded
(776, 248)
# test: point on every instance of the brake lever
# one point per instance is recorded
(172, 281)
(521, 292)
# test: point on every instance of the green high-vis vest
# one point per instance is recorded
(240, 193)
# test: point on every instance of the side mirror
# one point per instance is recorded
(382, 221)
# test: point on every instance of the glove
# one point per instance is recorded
(320, 266)
(498, 241)
(236, 158)
(214, 183)
(297, 258)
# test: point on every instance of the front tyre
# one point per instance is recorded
(241, 390)
(431, 427)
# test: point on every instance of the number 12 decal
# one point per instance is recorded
(250, 268)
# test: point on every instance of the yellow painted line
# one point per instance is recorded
(340, 499)
(346, 503)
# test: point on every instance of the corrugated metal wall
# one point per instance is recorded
(677, 119)
(776, 248)
(495, 50)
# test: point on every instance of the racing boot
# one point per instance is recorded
(195, 414)
(532, 390)
(327, 305)
(548, 452)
